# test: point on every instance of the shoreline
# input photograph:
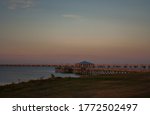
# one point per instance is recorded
(84, 87)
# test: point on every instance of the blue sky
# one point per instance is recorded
(68, 31)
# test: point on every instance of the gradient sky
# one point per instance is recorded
(68, 31)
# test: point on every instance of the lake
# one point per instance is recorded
(13, 74)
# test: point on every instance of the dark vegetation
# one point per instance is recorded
(113, 86)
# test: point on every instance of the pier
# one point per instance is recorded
(88, 68)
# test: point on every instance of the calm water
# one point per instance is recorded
(17, 74)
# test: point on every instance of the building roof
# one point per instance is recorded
(85, 62)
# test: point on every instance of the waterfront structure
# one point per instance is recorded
(64, 69)
(83, 67)
(88, 68)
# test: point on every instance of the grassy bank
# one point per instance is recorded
(134, 85)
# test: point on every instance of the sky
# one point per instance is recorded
(69, 31)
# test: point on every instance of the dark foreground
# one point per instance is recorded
(114, 86)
